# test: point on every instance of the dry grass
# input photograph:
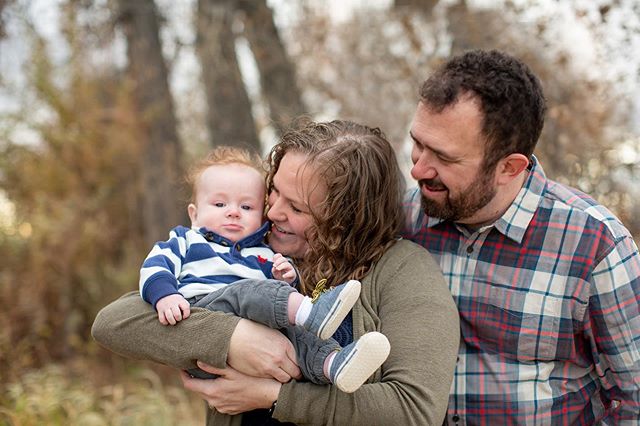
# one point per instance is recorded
(85, 394)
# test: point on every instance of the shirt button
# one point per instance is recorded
(455, 418)
(470, 249)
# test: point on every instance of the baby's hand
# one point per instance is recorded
(172, 309)
(282, 269)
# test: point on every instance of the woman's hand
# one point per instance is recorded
(259, 351)
(233, 392)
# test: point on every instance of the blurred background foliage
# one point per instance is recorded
(99, 119)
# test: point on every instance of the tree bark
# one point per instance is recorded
(229, 118)
(161, 165)
(424, 6)
(3, 4)
(468, 28)
(277, 73)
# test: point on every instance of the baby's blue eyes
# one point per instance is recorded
(243, 207)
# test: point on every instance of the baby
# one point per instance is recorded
(222, 263)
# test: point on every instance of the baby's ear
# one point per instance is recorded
(193, 213)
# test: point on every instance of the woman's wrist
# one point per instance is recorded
(273, 408)
(272, 395)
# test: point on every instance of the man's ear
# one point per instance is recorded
(510, 168)
(193, 213)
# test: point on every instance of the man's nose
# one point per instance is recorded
(424, 167)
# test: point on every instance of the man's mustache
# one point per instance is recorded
(434, 184)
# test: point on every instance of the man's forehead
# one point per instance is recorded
(455, 130)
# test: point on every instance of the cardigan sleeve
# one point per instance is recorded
(129, 326)
(405, 297)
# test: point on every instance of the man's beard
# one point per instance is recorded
(464, 205)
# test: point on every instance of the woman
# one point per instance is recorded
(335, 194)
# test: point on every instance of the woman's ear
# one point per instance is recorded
(193, 213)
(510, 168)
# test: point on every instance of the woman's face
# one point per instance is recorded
(294, 194)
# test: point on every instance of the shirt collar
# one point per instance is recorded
(514, 222)
(251, 240)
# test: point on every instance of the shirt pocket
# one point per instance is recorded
(517, 326)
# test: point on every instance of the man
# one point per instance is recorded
(547, 281)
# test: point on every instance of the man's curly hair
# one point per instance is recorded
(508, 93)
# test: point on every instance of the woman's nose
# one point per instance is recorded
(275, 212)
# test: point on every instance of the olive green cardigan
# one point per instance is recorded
(404, 297)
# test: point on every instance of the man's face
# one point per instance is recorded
(447, 155)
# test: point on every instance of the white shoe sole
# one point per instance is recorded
(341, 307)
(370, 352)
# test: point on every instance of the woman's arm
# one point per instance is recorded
(129, 326)
(406, 298)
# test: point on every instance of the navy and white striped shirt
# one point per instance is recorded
(193, 262)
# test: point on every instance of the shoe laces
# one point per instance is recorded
(317, 292)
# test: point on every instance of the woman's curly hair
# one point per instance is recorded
(361, 215)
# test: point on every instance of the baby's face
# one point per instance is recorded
(229, 201)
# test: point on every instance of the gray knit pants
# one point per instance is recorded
(265, 302)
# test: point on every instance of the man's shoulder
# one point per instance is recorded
(577, 208)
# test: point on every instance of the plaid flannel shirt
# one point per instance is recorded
(549, 301)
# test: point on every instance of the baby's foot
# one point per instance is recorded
(356, 362)
(331, 308)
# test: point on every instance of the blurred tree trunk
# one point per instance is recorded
(406, 10)
(468, 28)
(463, 28)
(424, 6)
(161, 165)
(277, 73)
(229, 120)
(3, 3)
